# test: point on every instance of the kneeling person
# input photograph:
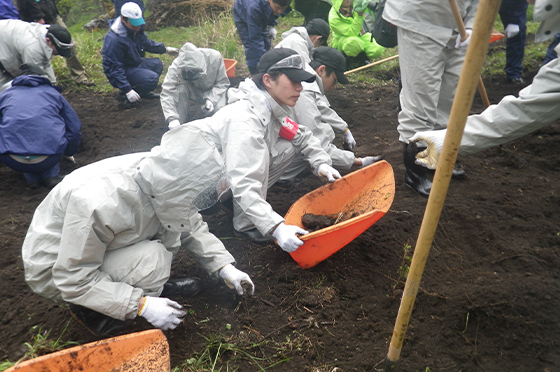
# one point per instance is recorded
(104, 238)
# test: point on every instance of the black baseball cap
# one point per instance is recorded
(288, 62)
(61, 39)
(318, 26)
(332, 58)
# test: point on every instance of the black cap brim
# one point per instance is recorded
(341, 77)
(64, 52)
(298, 75)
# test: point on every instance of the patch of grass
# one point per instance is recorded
(41, 344)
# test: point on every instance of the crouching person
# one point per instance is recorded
(104, 238)
(34, 139)
(198, 75)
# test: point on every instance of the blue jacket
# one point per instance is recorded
(121, 52)
(36, 120)
(252, 18)
(8, 10)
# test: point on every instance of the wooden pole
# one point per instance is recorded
(463, 33)
(371, 64)
(476, 53)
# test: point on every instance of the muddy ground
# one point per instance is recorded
(489, 297)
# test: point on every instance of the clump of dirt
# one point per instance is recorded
(313, 222)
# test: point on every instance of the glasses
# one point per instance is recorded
(212, 194)
(293, 61)
(59, 43)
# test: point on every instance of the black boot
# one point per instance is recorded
(416, 176)
(254, 236)
(184, 287)
(99, 325)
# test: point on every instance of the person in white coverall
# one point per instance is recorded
(431, 56)
(314, 111)
(304, 39)
(258, 140)
(33, 44)
(197, 74)
(537, 105)
(104, 238)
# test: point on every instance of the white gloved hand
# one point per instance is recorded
(349, 140)
(511, 30)
(172, 51)
(272, 32)
(462, 45)
(162, 312)
(173, 124)
(360, 6)
(328, 172)
(369, 160)
(429, 157)
(207, 107)
(235, 279)
(286, 238)
(132, 96)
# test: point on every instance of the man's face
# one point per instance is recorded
(346, 8)
(329, 81)
(276, 9)
(130, 26)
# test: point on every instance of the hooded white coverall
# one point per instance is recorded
(314, 111)
(211, 84)
(246, 132)
(22, 42)
(429, 62)
(298, 39)
(537, 105)
(106, 235)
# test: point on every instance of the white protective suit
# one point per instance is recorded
(298, 39)
(211, 84)
(430, 64)
(314, 111)
(22, 42)
(246, 132)
(106, 235)
(537, 105)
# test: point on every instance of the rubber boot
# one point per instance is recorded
(184, 287)
(97, 324)
(416, 177)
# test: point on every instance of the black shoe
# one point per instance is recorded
(99, 325)
(150, 95)
(416, 176)
(516, 81)
(255, 236)
(184, 287)
(53, 181)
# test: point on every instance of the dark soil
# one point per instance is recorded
(489, 296)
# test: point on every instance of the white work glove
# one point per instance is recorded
(328, 172)
(462, 45)
(272, 32)
(369, 160)
(172, 51)
(162, 312)
(173, 124)
(132, 96)
(429, 157)
(511, 30)
(286, 238)
(235, 279)
(207, 107)
(349, 140)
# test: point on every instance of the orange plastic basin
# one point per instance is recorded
(365, 195)
(230, 67)
(141, 351)
(495, 36)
